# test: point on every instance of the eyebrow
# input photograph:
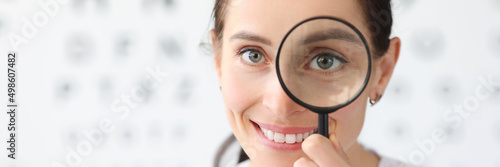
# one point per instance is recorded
(334, 33)
(246, 35)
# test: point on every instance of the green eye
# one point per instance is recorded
(252, 56)
(327, 61)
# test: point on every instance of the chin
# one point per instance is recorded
(276, 159)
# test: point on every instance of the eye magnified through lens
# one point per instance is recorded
(323, 64)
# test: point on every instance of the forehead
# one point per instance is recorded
(273, 18)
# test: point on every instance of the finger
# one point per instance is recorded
(334, 138)
(320, 150)
(338, 147)
(304, 162)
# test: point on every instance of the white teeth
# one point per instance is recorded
(279, 137)
(270, 135)
(263, 130)
(299, 137)
(288, 138)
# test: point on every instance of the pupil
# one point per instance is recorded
(255, 57)
(325, 62)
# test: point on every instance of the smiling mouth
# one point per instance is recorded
(282, 137)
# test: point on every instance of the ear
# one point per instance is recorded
(384, 69)
(217, 53)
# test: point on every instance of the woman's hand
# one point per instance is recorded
(322, 152)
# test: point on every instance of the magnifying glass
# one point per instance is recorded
(323, 64)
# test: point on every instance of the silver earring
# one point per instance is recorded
(373, 102)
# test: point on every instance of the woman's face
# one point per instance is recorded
(254, 99)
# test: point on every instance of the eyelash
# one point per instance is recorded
(251, 48)
(339, 57)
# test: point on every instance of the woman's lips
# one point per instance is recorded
(283, 138)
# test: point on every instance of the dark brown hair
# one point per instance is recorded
(377, 13)
(378, 16)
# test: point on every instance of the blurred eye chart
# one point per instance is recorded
(109, 83)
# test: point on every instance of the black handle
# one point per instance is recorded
(323, 124)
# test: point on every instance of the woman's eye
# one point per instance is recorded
(326, 61)
(252, 56)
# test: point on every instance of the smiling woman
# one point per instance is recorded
(271, 129)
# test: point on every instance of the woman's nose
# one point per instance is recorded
(277, 101)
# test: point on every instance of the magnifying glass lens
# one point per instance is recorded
(324, 63)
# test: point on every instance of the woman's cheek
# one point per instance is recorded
(350, 110)
(231, 87)
(349, 121)
(235, 93)
(240, 89)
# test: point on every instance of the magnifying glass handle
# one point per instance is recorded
(323, 124)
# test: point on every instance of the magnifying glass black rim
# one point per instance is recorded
(316, 109)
